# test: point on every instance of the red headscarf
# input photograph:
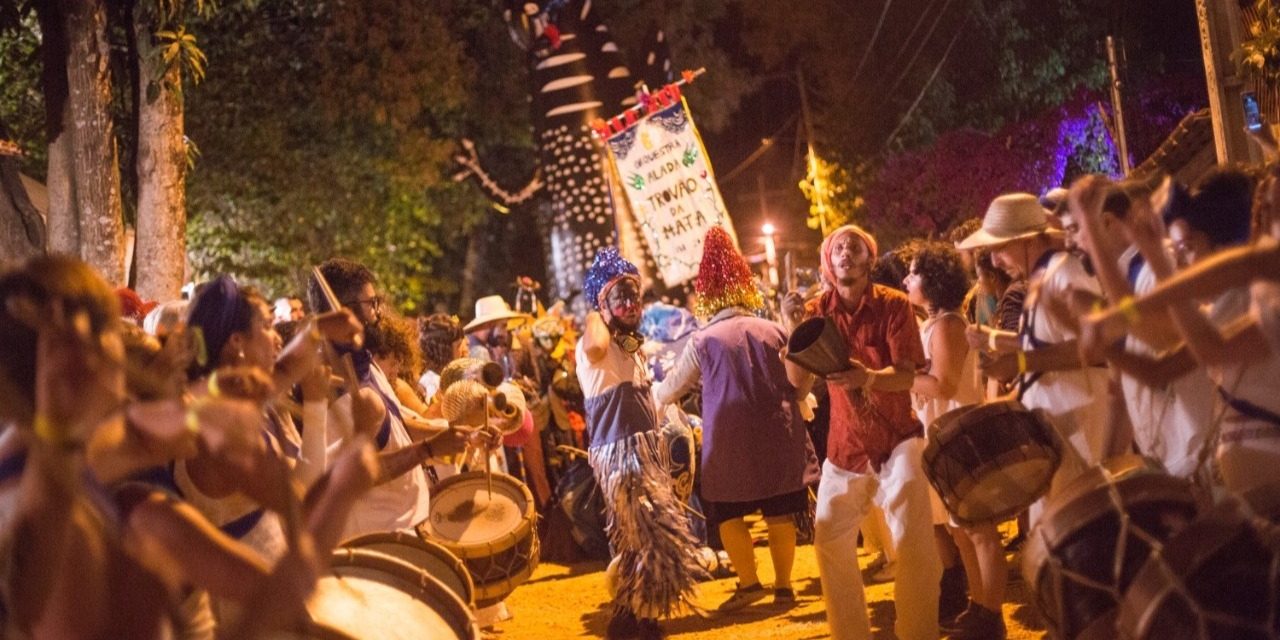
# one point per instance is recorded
(830, 242)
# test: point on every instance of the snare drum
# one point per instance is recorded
(990, 461)
(1216, 579)
(372, 596)
(1094, 536)
(423, 554)
(493, 535)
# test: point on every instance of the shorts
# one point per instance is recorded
(780, 505)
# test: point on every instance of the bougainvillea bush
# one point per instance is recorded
(923, 192)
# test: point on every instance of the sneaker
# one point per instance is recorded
(884, 573)
(743, 596)
(953, 595)
(650, 630)
(877, 563)
(784, 595)
(1015, 543)
(623, 625)
(979, 623)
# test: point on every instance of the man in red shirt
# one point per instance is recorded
(875, 445)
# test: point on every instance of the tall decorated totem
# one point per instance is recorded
(578, 76)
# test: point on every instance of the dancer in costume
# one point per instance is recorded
(756, 454)
(655, 553)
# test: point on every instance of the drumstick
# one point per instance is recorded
(342, 363)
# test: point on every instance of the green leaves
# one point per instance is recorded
(179, 45)
(1260, 55)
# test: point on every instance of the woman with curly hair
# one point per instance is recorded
(441, 339)
(938, 282)
(394, 345)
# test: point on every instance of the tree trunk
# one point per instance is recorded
(160, 252)
(470, 267)
(95, 171)
(64, 224)
(22, 227)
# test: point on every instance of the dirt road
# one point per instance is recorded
(571, 602)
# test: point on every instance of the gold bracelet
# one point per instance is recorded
(1022, 362)
(1128, 308)
(192, 421)
(48, 433)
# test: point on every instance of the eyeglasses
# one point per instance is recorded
(375, 303)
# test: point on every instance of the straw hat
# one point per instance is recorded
(492, 309)
(1010, 217)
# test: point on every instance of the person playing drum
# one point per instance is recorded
(1047, 363)
(875, 444)
(655, 550)
(937, 282)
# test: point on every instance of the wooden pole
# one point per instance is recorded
(1221, 32)
(1117, 107)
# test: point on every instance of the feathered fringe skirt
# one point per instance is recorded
(655, 552)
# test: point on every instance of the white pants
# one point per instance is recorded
(844, 498)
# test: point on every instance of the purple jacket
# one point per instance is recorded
(754, 444)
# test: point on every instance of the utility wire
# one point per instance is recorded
(914, 105)
(919, 50)
(871, 44)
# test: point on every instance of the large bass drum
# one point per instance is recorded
(990, 461)
(493, 533)
(373, 596)
(1217, 579)
(1094, 536)
(429, 556)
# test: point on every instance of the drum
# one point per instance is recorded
(1094, 536)
(492, 534)
(372, 596)
(579, 498)
(1217, 578)
(990, 461)
(429, 556)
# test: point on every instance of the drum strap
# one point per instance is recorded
(13, 466)
(1249, 409)
(240, 527)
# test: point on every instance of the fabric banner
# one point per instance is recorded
(670, 187)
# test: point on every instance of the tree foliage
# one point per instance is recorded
(21, 99)
(328, 129)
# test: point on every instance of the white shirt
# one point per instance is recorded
(1169, 424)
(1076, 399)
(968, 387)
(399, 503)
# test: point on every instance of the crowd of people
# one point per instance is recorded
(210, 452)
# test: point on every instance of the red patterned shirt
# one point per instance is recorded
(880, 330)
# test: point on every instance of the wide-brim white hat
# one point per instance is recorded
(1010, 217)
(491, 309)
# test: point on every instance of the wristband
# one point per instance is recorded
(192, 421)
(991, 341)
(1128, 308)
(47, 432)
(214, 390)
(1022, 362)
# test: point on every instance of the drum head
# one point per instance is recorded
(472, 522)
(376, 597)
(1095, 535)
(1217, 578)
(423, 554)
(989, 461)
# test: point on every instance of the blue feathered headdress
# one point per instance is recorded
(608, 266)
